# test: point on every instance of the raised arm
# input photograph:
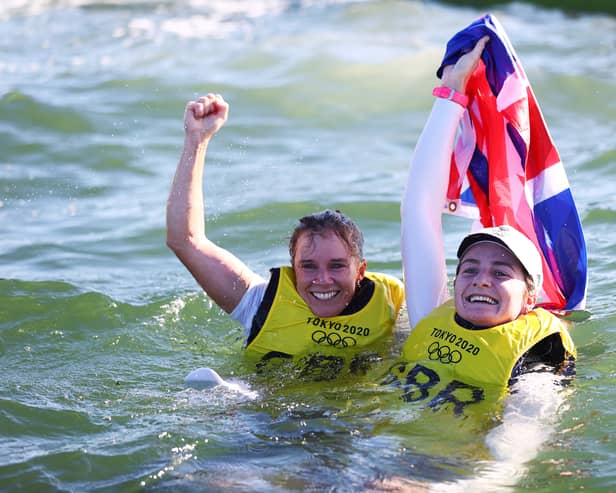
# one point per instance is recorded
(221, 274)
(423, 254)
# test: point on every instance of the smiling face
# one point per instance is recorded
(326, 274)
(490, 287)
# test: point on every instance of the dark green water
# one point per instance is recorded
(99, 323)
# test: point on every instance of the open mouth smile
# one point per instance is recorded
(324, 296)
(475, 298)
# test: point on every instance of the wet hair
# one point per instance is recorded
(320, 223)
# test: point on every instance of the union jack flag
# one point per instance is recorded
(505, 168)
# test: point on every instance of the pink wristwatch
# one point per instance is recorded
(451, 94)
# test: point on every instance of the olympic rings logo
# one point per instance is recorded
(444, 354)
(333, 339)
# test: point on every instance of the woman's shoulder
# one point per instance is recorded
(390, 282)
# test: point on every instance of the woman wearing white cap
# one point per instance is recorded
(490, 332)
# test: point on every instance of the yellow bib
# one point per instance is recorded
(291, 328)
(445, 363)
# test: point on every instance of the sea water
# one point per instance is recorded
(100, 323)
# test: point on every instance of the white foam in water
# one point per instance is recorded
(529, 421)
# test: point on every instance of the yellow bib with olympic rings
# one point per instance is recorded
(291, 328)
(445, 363)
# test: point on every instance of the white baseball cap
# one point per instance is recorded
(517, 243)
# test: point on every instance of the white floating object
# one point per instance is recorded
(203, 378)
(206, 378)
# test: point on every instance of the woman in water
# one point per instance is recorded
(464, 349)
(326, 299)
(489, 345)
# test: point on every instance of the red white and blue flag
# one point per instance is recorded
(505, 168)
